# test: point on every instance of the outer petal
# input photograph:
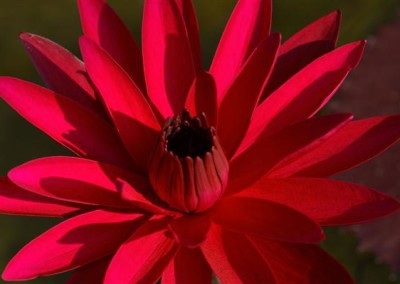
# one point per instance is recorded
(302, 48)
(83, 181)
(15, 200)
(92, 273)
(168, 61)
(61, 71)
(75, 242)
(249, 24)
(188, 266)
(192, 28)
(298, 263)
(356, 143)
(102, 25)
(70, 124)
(241, 99)
(202, 97)
(144, 256)
(305, 93)
(128, 107)
(234, 259)
(283, 145)
(326, 201)
(266, 219)
(325, 28)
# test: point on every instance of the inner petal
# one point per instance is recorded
(188, 169)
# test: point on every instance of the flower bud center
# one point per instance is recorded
(188, 169)
(187, 136)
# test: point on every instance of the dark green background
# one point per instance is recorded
(59, 21)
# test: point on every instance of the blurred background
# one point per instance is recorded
(371, 253)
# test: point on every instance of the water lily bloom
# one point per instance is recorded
(182, 173)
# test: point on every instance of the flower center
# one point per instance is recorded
(187, 136)
(188, 169)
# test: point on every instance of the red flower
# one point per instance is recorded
(183, 173)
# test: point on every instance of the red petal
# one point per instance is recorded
(15, 200)
(144, 256)
(283, 145)
(202, 97)
(102, 25)
(248, 25)
(299, 263)
(356, 143)
(61, 71)
(168, 61)
(128, 107)
(80, 180)
(267, 219)
(92, 273)
(237, 107)
(190, 230)
(302, 48)
(188, 266)
(234, 259)
(305, 93)
(325, 28)
(72, 243)
(70, 124)
(326, 201)
(192, 28)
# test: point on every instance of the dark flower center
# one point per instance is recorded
(188, 168)
(188, 136)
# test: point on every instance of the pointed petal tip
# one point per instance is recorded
(337, 14)
(378, 209)
(25, 36)
(348, 116)
(388, 204)
(7, 276)
(319, 235)
(396, 205)
(7, 82)
(13, 175)
(17, 173)
(357, 53)
(391, 204)
(276, 36)
(15, 273)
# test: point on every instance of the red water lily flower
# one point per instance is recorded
(184, 173)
